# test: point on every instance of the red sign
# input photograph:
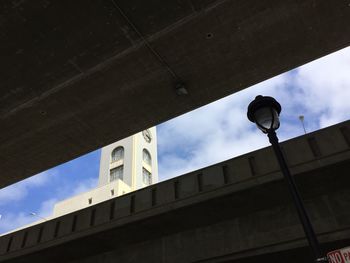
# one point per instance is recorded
(339, 256)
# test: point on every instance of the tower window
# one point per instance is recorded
(116, 173)
(146, 176)
(117, 154)
(90, 201)
(112, 192)
(146, 156)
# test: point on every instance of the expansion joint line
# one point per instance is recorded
(148, 45)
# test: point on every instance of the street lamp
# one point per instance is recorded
(35, 214)
(264, 112)
(301, 118)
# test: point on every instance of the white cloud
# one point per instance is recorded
(46, 207)
(210, 134)
(220, 130)
(84, 186)
(326, 87)
(19, 191)
(11, 221)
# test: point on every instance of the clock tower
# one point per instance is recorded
(125, 166)
(132, 160)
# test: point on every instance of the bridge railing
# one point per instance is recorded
(303, 153)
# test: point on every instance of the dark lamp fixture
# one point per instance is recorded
(181, 89)
(264, 111)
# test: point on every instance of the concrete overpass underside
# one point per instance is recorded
(78, 75)
(236, 211)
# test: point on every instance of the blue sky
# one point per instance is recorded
(319, 90)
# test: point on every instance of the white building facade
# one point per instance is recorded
(125, 166)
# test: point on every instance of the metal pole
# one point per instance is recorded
(35, 214)
(304, 219)
(301, 118)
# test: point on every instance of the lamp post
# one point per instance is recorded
(264, 112)
(35, 214)
(301, 118)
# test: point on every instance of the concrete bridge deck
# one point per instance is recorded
(235, 211)
(78, 75)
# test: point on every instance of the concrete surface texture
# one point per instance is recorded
(79, 75)
(235, 211)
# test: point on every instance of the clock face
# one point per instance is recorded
(147, 135)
